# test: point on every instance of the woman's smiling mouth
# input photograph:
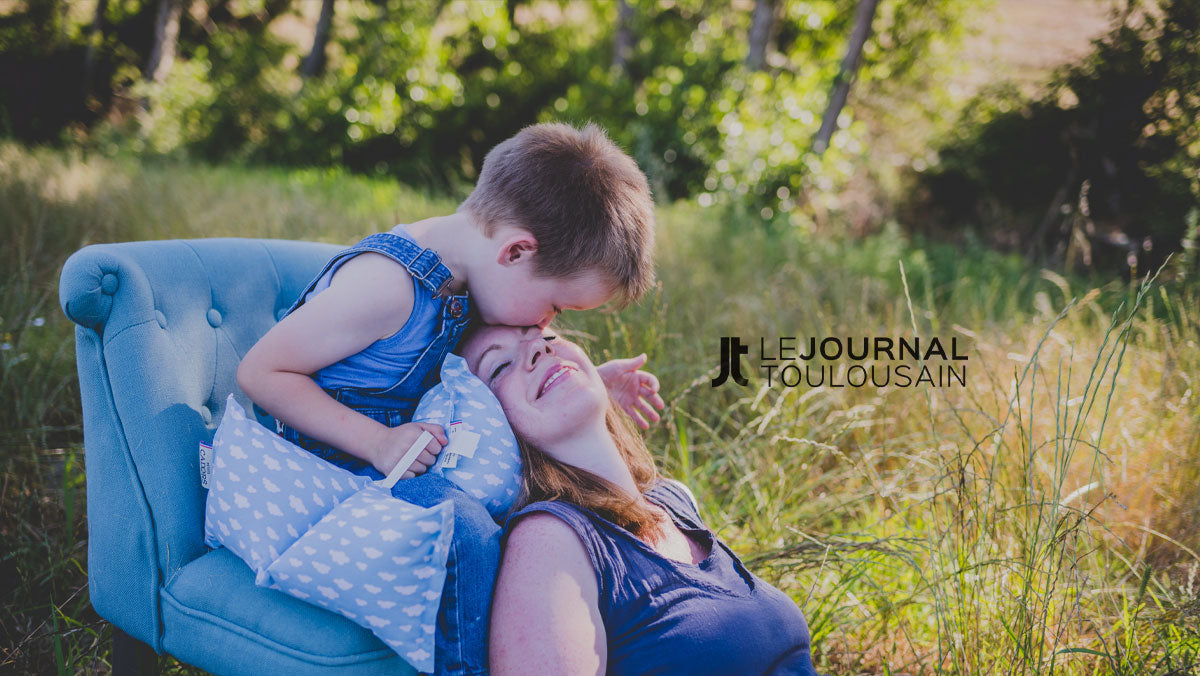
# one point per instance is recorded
(553, 376)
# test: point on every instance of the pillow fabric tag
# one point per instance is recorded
(206, 455)
(463, 443)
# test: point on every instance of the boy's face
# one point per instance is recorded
(521, 298)
(510, 293)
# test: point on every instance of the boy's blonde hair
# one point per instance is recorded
(585, 201)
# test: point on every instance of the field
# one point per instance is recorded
(1041, 519)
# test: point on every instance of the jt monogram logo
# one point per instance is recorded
(731, 361)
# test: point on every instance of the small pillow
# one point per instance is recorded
(328, 536)
(482, 457)
(265, 492)
(380, 562)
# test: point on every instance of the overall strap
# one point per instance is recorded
(423, 264)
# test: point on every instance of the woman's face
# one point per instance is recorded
(547, 385)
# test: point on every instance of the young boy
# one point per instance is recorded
(560, 219)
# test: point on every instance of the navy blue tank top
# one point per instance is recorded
(668, 617)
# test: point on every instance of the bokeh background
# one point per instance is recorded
(1022, 175)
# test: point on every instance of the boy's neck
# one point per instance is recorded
(457, 240)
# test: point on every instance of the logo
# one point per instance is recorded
(731, 361)
(874, 361)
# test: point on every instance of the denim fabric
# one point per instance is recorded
(402, 368)
(471, 569)
(386, 379)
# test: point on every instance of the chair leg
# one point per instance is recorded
(131, 657)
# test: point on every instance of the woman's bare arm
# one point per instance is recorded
(545, 611)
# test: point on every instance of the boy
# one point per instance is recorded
(560, 219)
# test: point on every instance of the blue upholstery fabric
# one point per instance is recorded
(161, 328)
(213, 613)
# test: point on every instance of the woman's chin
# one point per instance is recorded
(565, 413)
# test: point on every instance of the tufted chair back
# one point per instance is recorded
(161, 327)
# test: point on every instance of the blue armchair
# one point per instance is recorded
(161, 328)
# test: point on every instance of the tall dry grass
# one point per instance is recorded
(1039, 520)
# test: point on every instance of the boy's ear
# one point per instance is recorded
(516, 248)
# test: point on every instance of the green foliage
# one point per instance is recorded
(422, 90)
(1103, 168)
(704, 125)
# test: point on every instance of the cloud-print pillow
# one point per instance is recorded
(379, 561)
(265, 492)
(482, 456)
(327, 536)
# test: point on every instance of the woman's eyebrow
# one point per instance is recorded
(491, 347)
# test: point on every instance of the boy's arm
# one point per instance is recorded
(370, 297)
(635, 390)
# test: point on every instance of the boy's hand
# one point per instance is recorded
(396, 441)
(636, 391)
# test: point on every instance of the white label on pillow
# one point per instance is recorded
(462, 441)
(206, 453)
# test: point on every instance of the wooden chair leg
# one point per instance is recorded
(131, 657)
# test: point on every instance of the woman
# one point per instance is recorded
(608, 568)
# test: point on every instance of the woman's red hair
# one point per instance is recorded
(545, 478)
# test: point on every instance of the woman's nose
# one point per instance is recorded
(539, 347)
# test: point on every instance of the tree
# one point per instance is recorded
(315, 63)
(166, 40)
(623, 41)
(760, 33)
(841, 84)
(95, 35)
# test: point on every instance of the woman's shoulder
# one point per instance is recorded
(541, 529)
(548, 520)
(673, 493)
(551, 533)
(678, 498)
(567, 512)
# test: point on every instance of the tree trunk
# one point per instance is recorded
(511, 6)
(760, 33)
(315, 63)
(166, 40)
(95, 35)
(841, 84)
(623, 42)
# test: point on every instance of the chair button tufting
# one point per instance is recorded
(214, 318)
(109, 283)
(206, 415)
(162, 319)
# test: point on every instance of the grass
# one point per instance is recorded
(1039, 520)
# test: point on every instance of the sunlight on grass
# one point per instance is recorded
(1040, 519)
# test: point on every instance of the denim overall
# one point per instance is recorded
(384, 382)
